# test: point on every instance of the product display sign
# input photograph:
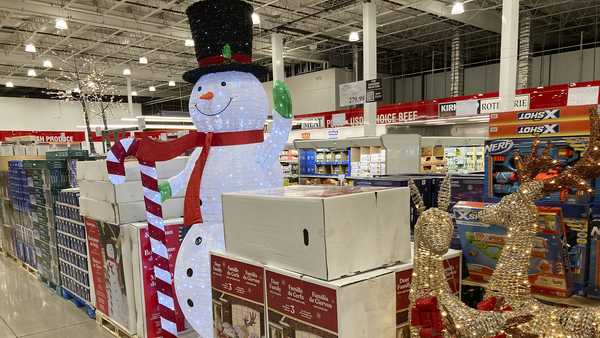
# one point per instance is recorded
(487, 106)
(353, 93)
(582, 95)
(374, 90)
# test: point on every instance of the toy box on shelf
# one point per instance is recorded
(482, 245)
(566, 129)
(18, 216)
(329, 161)
(593, 286)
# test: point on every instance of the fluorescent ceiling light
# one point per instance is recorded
(30, 48)
(171, 83)
(189, 43)
(134, 93)
(255, 18)
(47, 64)
(143, 60)
(165, 118)
(152, 88)
(76, 90)
(9, 84)
(31, 73)
(353, 37)
(126, 71)
(61, 24)
(458, 8)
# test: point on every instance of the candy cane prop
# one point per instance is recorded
(115, 162)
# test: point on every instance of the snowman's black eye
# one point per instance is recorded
(223, 84)
(199, 88)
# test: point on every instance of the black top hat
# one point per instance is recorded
(222, 33)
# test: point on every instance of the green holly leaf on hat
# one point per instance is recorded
(226, 52)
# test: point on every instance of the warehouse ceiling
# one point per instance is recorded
(413, 36)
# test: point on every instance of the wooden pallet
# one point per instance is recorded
(11, 256)
(31, 270)
(78, 302)
(112, 327)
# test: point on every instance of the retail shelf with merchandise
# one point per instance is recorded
(357, 157)
(452, 154)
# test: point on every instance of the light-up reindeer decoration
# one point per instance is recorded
(434, 310)
(509, 285)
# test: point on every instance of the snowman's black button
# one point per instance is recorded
(190, 272)
(190, 303)
(198, 240)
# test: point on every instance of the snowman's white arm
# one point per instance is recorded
(179, 182)
(275, 141)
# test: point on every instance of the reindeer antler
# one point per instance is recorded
(415, 195)
(588, 166)
(444, 194)
(532, 164)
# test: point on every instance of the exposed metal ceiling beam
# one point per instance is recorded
(489, 20)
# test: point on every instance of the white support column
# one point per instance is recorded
(129, 98)
(370, 62)
(277, 51)
(508, 53)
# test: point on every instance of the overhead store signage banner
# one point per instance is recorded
(582, 95)
(45, 136)
(352, 93)
(488, 106)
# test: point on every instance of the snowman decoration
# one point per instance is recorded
(228, 106)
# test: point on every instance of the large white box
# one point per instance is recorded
(325, 232)
(96, 170)
(126, 212)
(360, 306)
(130, 191)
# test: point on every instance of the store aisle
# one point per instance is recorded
(28, 309)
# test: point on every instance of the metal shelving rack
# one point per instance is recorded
(72, 246)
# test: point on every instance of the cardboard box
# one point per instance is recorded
(96, 170)
(482, 244)
(361, 306)
(137, 258)
(113, 286)
(131, 191)
(238, 296)
(325, 232)
(403, 273)
(126, 212)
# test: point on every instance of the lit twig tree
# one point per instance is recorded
(83, 80)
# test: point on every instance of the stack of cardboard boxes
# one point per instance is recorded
(323, 262)
(119, 246)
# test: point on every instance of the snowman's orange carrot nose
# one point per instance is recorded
(207, 96)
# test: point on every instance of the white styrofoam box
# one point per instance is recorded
(323, 231)
(126, 212)
(361, 306)
(96, 170)
(131, 191)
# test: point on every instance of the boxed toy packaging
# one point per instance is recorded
(593, 286)
(359, 306)
(238, 296)
(482, 245)
(321, 231)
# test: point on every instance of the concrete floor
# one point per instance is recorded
(28, 309)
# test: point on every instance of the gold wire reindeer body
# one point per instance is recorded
(518, 213)
(432, 236)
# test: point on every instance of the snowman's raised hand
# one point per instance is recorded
(282, 100)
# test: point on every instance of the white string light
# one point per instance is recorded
(61, 24)
(189, 43)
